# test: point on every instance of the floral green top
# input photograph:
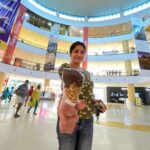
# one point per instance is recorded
(86, 92)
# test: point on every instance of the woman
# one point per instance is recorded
(29, 95)
(5, 94)
(11, 92)
(35, 99)
(81, 138)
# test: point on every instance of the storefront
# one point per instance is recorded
(120, 95)
(48, 92)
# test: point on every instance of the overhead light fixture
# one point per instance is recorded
(124, 89)
(50, 24)
(26, 16)
(104, 18)
(136, 9)
(50, 12)
(147, 89)
(73, 18)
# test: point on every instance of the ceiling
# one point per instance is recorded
(90, 7)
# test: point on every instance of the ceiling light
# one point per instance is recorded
(50, 24)
(50, 12)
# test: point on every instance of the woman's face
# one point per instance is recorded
(78, 54)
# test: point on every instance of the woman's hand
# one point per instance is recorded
(100, 103)
(81, 105)
(68, 116)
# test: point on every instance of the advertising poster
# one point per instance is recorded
(14, 35)
(8, 11)
(52, 48)
(142, 46)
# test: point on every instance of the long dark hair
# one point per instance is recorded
(73, 46)
(39, 86)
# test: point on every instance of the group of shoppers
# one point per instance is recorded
(30, 97)
(24, 95)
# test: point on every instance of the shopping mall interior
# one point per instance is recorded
(35, 38)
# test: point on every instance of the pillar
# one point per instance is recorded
(125, 46)
(128, 64)
(128, 67)
(46, 83)
(52, 48)
(14, 35)
(3, 77)
(131, 94)
(85, 40)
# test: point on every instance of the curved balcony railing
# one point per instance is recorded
(64, 29)
(113, 52)
(114, 73)
(40, 67)
(112, 34)
(18, 62)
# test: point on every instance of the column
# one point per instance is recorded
(128, 64)
(85, 40)
(46, 83)
(125, 46)
(14, 35)
(3, 77)
(131, 94)
(128, 68)
(52, 48)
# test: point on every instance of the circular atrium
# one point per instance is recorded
(84, 68)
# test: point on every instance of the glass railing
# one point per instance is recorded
(113, 52)
(112, 34)
(34, 44)
(114, 73)
(64, 30)
(18, 62)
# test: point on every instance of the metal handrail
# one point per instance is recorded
(40, 67)
(98, 36)
(29, 65)
(61, 51)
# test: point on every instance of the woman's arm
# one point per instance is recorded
(97, 102)
(60, 70)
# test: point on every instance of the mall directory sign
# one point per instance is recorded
(8, 11)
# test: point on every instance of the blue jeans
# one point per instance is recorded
(81, 139)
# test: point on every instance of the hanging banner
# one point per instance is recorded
(14, 35)
(52, 48)
(85, 40)
(141, 46)
(8, 10)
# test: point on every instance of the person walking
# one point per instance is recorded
(35, 99)
(22, 93)
(82, 136)
(29, 95)
(5, 94)
(11, 92)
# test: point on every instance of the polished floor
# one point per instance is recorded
(121, 128)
